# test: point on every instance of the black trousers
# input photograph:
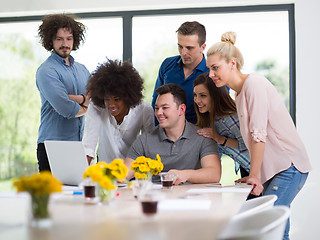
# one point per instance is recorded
(42, 157)
(243, 172)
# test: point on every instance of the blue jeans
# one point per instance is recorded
(286, 186)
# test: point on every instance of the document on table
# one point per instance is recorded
(13, 195)
(70, 190)
(220, 190)
(67, 188)
(184, 204)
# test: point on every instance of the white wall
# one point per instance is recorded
(305, 210)
(30, 7)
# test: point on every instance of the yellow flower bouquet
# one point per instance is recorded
(39, 186)
(106, 175)
(144, 167)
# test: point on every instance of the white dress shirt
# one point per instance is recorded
(115, 140)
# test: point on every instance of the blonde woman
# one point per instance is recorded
(279, 161)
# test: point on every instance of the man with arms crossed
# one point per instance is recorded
(190, 156)
(61, 82)
(186, 67)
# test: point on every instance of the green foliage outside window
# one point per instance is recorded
(19, 107)
(278, 76)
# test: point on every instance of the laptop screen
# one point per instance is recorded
(67, 160)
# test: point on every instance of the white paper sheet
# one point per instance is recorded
(183, 205)
(156, 186)
(13, 195)
(219, 190)
(71, 188)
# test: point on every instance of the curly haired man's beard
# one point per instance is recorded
(63, 54)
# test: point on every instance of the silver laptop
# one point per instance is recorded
(67, 160)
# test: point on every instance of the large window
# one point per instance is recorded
(103, 40)
(20, 56)
(265, 37)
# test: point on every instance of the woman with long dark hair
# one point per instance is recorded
(218, 119)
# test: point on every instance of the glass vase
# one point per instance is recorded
(40, 210)
(148, 176)
(106, 196)
(140, 187)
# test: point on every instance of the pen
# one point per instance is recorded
(77, 192)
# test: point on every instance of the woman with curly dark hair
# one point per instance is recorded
(116, 114)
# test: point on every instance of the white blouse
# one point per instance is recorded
(115, 140)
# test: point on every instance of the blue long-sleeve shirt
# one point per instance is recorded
(171, 71)
(55, 80)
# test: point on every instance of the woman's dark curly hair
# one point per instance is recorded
(52, 23)
(114, 78)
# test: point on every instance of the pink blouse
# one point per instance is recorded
(264, 118)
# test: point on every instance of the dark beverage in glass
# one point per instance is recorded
(167, 179)
(167, 183)
(89, 191)
(149, 207)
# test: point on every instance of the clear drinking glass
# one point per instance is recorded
(167, 179)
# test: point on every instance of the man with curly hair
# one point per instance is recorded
(116, 115)
(61, 82)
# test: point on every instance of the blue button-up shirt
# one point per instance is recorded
(171, 71)
(55, 80)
